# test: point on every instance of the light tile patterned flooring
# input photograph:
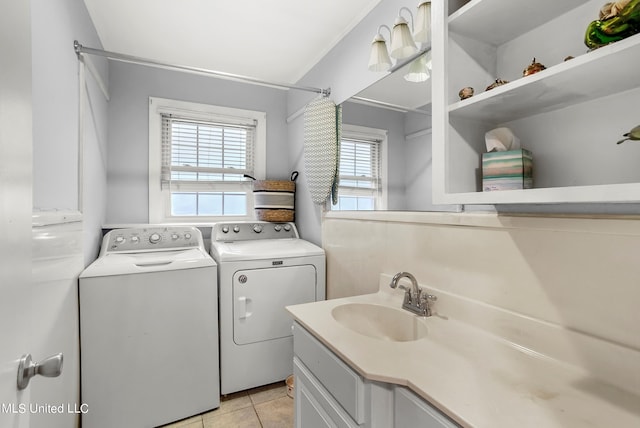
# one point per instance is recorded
(268, 406)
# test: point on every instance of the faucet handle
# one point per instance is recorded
(426, 298)
(430, 297)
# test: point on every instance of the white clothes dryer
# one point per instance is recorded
(149, 329)
(262, 267)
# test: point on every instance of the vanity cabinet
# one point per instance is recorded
(569, 115)
(329, 393)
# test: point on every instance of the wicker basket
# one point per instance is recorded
(274, 200)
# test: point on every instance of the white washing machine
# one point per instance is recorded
(149, 329)
(262, 267)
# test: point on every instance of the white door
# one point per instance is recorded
(260, 297)
(15, 208)
(56, 263)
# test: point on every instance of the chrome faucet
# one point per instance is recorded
(415, 299)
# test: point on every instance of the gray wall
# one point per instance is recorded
(55, 25)
(131, 86)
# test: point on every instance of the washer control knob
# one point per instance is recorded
(257, 228)
(287, 227)
(120, 240)
(135, 239)
(236, 228)
(154, 238)
(225, 229)
(277, 228)
(187, 236)
(174, 236)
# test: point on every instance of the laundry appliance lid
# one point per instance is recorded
(145, 262)
(264, 249)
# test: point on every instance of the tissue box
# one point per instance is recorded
(508, 170)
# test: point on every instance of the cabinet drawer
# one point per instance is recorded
(345, 385)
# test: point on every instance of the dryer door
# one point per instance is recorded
(259, 298)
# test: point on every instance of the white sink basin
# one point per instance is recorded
(380, 322)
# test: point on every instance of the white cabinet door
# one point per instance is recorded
(412, 411)
(15, 208)
(309, 413)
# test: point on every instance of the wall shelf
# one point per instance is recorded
(593, 75)
(496, 21)
(609, 193)
(569, 115)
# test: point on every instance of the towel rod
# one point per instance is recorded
(390, 106)
(80, 49)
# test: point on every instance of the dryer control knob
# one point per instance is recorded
(154, 238)
(175, 236)
(257, 228)
(120, 239)
(236, 229)
(225, 229)
(287, 227)
(277, 228)
(187, 236)
(135, 239)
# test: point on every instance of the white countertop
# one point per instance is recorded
(476, 378)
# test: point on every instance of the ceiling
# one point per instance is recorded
(275, 40)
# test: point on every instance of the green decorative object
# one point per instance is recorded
(616, 25)
(633, 135)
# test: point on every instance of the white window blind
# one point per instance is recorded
(360, 165)
(197, 152)
(360, 183)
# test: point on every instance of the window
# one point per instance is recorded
(361, 169)
(198, 155)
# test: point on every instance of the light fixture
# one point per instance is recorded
(403, 47)
(422, 28)
(418, 71)
(379, 58)
(402, 44)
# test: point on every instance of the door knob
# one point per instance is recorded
(49, 367)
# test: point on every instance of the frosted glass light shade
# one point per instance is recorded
(418, 71)
(402, 44)
(423, 23)
(379, 58)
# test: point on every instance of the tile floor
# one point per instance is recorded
(264, 407)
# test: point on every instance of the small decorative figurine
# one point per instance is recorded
(465, 93)
(609, 10)
(618, 20)
(533, 68)
(498, 82)
(633, 135)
